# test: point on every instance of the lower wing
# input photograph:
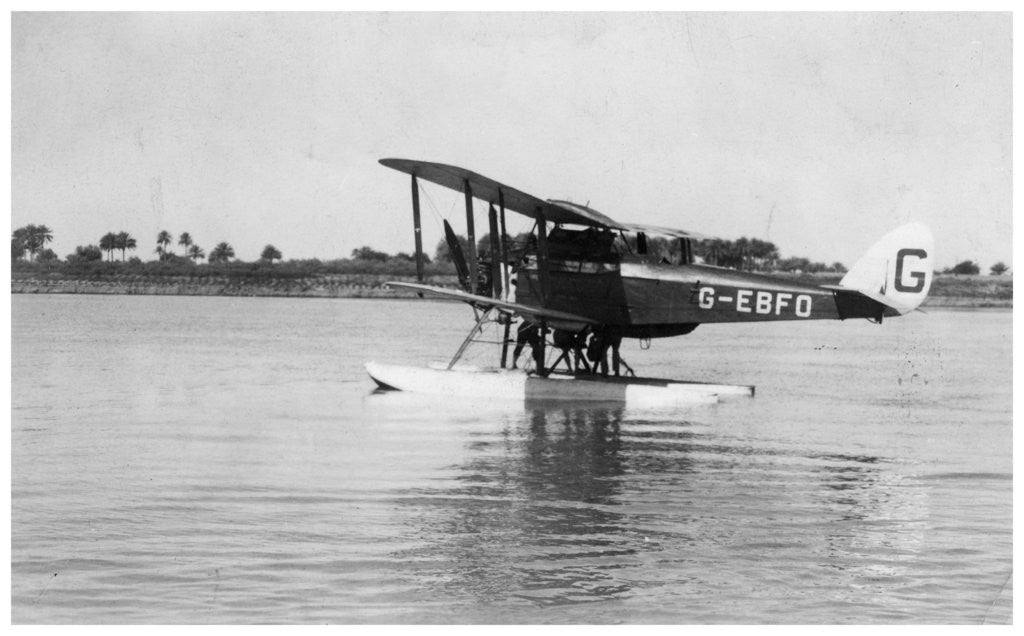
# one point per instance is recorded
(533, 314)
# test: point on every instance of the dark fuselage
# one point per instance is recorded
(639, 298)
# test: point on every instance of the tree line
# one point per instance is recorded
(28, 244)
(970, 267)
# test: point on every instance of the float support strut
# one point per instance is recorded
(504, 342)
(469, 338)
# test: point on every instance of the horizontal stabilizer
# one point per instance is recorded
(483, 302)
(888, 306)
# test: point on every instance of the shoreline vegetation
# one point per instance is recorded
(948, 290)
(92, 269)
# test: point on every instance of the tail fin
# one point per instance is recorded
(897, 270)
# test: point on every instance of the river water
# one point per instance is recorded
(224, 460)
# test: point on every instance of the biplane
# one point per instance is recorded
(582, 282)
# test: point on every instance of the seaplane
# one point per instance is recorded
(582, 282)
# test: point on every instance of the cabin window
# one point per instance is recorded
(591, 244)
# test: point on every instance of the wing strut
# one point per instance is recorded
(416, 228)
(504, 245)
(471, 236)
(492, 220)
(542, 257)
(504, 272)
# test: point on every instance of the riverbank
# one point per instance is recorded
(323, 286)
(947, 290)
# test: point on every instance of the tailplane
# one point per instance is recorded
(897, 270)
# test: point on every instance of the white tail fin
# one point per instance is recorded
(897, 270)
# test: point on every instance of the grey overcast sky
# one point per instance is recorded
(819, 132)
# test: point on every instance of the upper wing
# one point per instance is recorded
(517, 201)
(533, 313)
(493, 192)
(629, 227)
(664, 231)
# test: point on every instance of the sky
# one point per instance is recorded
(819, 132)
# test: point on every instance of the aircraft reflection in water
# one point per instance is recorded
(581, 282)
(569, 505)
(534, 514)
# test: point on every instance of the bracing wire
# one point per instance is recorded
(434, 211)
(438, 219)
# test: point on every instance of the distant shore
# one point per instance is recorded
(947, 290)
(323, 286)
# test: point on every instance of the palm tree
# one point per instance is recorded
(196, 252)
(185, 240)
(221, 253)
(763, 254)
(108, 244)
(19, 242)
(124, 242)
(714, 251)
(32, 238)
(270, 253)
(40, 236)
(163, 239)
(769, 254)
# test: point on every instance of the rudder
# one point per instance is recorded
(897, 270)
